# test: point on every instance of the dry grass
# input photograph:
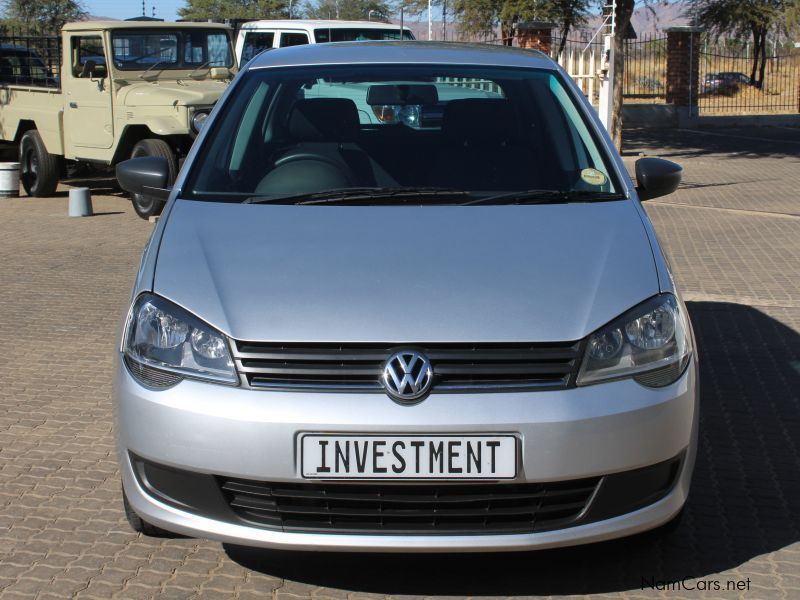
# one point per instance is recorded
(646, 80)
(780, 93)
(646, 83)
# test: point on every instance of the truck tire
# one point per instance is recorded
(38, 169)
(150, 206)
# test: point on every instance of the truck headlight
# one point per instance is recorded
(164, 343)
(198, 120)
(651, 343)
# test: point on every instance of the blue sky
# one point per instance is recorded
(165, 9)
(123, 9)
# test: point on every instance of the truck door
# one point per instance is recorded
(88, 119)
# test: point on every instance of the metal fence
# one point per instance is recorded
(645, 78)
(727, 87)
(30, 60)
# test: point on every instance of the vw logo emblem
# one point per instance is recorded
(407, 376)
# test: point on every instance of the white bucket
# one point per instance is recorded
(9, 180)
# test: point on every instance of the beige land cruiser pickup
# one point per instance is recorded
(111, 91)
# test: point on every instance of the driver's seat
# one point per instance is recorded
(323, 153)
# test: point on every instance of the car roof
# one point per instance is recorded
(403, 53)
(94, 25)
(317, 24)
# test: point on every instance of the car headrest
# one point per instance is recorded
(478, 120)
(324, 120)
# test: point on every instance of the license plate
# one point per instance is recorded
(409, 456)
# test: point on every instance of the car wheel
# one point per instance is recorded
(149, 206)
(38, 169)
(139, 525)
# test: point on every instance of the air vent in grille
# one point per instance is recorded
(457, 367)
(423, 508)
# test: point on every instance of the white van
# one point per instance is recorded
(256, 36)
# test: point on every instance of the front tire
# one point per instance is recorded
(38, 169)
(150, 206)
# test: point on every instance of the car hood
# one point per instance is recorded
(171, 93)
(405, 274)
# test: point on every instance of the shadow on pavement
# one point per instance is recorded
(751, 142)
(98, 182)
(745, 498)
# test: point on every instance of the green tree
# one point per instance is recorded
(220, 10)
(793, 17)
(482, 17)
(349, 10)
(745, 18)
(45, 17)
(622, 20)
(567, 14)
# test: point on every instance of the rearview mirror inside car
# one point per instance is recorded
(144, 175)
(656, 177)
(402, 94)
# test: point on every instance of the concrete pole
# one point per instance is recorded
(607, 81)
(430, 22)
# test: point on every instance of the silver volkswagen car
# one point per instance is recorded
(404, 297)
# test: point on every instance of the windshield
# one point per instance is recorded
(354, 34)
(140, 49)
(400, 133)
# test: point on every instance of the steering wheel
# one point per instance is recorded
(305, 172)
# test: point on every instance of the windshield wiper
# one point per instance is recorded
(197, 68)
(359, 195)
(546, 197)
(151, 67)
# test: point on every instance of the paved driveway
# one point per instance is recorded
(733, 234)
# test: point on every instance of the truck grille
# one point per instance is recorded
(424, 508)
(456, 367)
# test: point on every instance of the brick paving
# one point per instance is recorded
(733, 235)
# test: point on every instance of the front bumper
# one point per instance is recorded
(253, 435)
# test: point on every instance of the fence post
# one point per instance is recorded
(536, 35)
(683, 71)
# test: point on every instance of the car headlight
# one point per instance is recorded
(651, 343)
(408, 114)
(198, 120)
(164, 343)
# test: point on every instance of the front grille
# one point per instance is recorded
(423, 508)
(456, 367)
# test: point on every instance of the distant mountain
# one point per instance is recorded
(645, 20)
(652, 19)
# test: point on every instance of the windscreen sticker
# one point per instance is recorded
(593, 177)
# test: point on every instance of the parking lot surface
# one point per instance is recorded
(733, 235)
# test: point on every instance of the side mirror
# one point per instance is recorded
(656, 177)
(147, 175)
